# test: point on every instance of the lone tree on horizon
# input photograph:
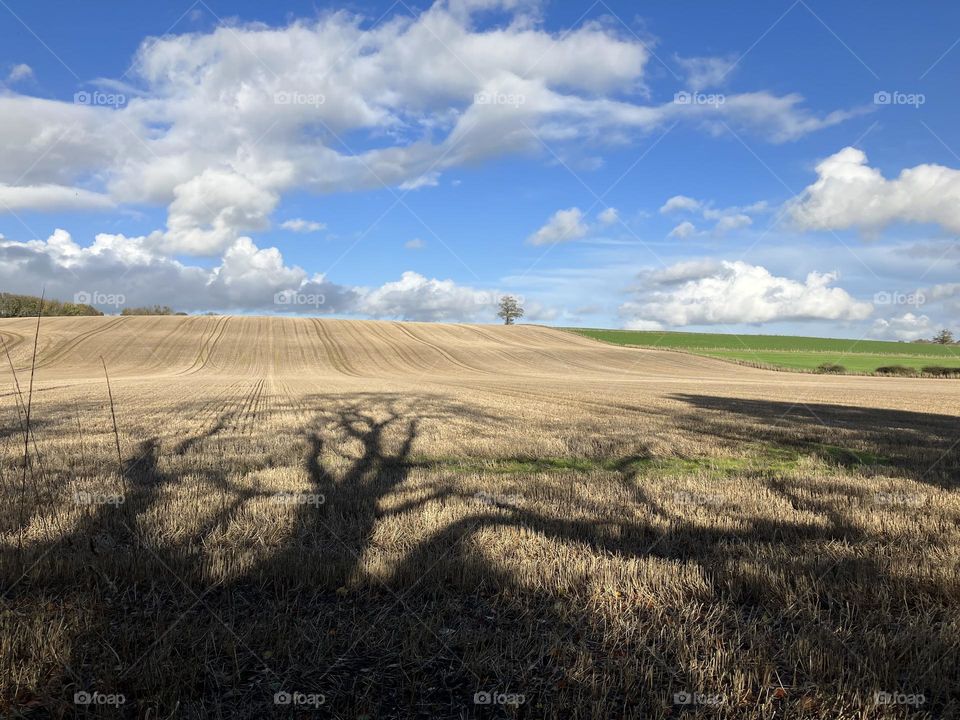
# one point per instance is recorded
(510, 309)
(944, 337)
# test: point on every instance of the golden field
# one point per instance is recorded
(322, 518)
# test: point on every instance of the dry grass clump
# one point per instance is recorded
(612, 542)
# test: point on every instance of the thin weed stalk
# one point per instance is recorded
(116, 432)
(26, 432)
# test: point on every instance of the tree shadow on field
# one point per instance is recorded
(420, 635)
(914, 445)
(392, 590)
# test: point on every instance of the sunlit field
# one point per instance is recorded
(797, 353)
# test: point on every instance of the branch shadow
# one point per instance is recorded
(327, 608)
(913, 445)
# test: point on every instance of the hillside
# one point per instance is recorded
(794, 352)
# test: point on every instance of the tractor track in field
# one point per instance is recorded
(61, 351)
(9, 336)
(502, 351)
(207, 346)
(540, 351)
(441, 351)
(373, 355)
(548, 398)
(410, 358)
(166, 342)
(246, 418)
(210, 416)
(334, 353)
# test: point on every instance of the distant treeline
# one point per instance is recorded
(12, 305)
(29, 305)
(154, 310)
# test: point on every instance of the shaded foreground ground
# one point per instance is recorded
(347, 519)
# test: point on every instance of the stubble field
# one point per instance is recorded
(317, 518)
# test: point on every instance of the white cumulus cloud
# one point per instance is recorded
(247, 278)
(905, 327)
(849, 193)
(680, 203)
(224, 123)
(563, 226)
(683, 230)
(608, 216)
(19, 73)
(737, 292)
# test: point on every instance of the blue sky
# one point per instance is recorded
(751, 167)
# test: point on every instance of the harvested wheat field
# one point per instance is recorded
(320, 518)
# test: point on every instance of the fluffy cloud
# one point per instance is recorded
(608, 216)
(726, 219)
(736, 292)
(224, 123)
(210, 211)
(563, 226)
(906, 327)
(681, 203)
(732, 222)
(51, 197)
(683, 271)
(299, 225)
(705, 72)
(849, 193)
(683, 230)
(415, 297)
(945, 290)
(248, 278)
(19, 73)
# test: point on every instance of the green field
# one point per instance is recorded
(795, 353)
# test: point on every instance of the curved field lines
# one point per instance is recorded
(207, 345)
(10, 341)
(78, 350)
(333, 353)
(457, 364)
(321, 351)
